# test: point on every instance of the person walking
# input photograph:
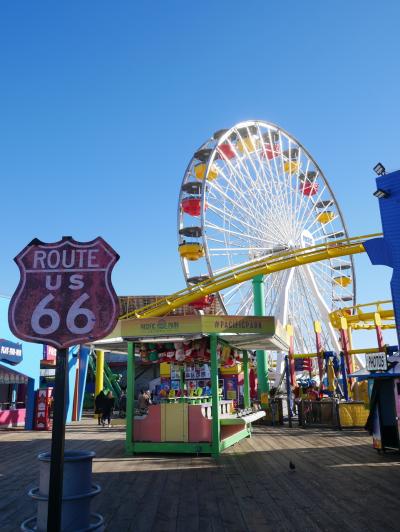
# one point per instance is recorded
(98, 406)
(108, 409)
(122, 405)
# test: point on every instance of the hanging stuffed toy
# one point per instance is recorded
(180, 355)
(144, 355)
(162, 354)
(230, 359)
(170, 355)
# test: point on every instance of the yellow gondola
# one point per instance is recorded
(200, 170)
(325, 217)
(343, 280)
(291, 167)
(191, 250)
(252, 144)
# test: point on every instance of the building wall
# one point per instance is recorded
(30, 365)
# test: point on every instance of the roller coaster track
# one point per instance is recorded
(270, 264)
(364, 316)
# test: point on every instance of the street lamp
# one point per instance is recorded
(381, 194)
(379, 169)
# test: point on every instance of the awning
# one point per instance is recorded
(242, 332)
(9, 376)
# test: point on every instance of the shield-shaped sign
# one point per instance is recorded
(65, 295)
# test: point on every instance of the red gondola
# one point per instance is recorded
(192, 205)
(309, 188)
(270, 151)
(226, 151)
(203, 302)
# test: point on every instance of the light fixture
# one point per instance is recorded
(381, 194)
(379, 169)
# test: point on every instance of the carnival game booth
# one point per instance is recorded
(202, 422)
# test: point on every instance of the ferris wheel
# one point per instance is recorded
(252, 191)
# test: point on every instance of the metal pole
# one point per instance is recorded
(215, 429)
(99, 383)
(130, 398)
(246, 383)
(288, 389)
(344, 377)
(378, 328)
(318, 343)
(262, 357)
(57, 444)
(292, 371)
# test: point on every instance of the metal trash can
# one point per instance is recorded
(78, 491)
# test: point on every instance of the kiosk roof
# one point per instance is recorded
(242, 332)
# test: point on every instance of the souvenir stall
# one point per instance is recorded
(184, 379)
(202, 422)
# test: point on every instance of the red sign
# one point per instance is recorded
(49, 353)
(42, 411)
(65, 295)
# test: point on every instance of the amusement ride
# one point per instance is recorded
(259, 192)
(254, 204)
(260, 232)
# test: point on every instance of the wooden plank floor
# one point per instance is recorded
(340, 483)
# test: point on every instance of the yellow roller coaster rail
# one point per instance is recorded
(270, 264)
(366, 316)
(361, 351)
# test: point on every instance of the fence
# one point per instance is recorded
(318, 414)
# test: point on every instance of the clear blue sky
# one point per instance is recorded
(103, 103)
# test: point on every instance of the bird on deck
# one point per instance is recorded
(292, 467)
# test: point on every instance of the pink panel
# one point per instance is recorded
(397, 400)
(199, 426)
(12, 418)
(148, 428)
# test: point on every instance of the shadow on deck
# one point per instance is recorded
(339, 482)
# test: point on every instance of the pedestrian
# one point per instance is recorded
(142, 402)
(108, 409)
(98, 406)
(149, 398)
(122, 405)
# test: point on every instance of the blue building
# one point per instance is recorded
(20, 376)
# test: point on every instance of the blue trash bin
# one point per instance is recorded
(78, 491)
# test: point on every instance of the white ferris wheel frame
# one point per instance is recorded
(286, 278)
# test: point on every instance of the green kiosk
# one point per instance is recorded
(193, 424)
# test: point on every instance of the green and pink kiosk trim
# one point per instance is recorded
(201, 425)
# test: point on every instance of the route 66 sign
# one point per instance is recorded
(65, 295)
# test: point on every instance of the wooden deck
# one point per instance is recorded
(340, 483)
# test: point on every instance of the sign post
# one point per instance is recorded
(65, 297)
(57, 443)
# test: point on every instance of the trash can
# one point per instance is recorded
(78, 491)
